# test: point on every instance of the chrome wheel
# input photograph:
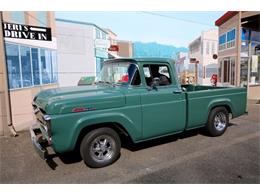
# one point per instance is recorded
(220, 121)
(102, 148)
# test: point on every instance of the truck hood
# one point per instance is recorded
(67, 99)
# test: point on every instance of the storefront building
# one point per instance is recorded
(82, 47)
(239, 45)
(31, 65)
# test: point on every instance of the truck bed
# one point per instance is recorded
(201, 99)
(199, 87)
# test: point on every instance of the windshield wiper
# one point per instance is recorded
(106, 82)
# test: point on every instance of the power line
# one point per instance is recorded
(176, 18)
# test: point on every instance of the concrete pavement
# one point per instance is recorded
(191, 157)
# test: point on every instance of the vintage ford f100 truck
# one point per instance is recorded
(140, 98)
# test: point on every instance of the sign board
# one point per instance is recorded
(21, 31)
(113, 48)
(192, 60)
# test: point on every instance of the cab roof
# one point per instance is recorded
(168, 60)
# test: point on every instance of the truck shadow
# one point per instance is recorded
(127, 144)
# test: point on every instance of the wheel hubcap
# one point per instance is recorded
(102, 148)
(220, 121)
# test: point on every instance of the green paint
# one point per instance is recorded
(144, 113)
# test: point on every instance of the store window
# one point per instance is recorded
(13, 66)
(17, 17)
(26, 66)
(54, 67)
(30, 66)
(46, 66)
(254, 71)
(42, 18)
(35, 66)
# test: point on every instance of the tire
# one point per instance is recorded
(100, 147)
(218, 121)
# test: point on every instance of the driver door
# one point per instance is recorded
(163, 107)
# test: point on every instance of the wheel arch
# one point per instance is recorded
(221, 103)
(117, 127)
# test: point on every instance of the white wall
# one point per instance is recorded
(210, 36)
(75, 52)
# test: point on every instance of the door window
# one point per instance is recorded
(157, 71)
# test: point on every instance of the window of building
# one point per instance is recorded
(25, 55)
(17, 17)
(213, 48)
(99, 64)
(227, 65)
(201, 48)
(103, 35)
(232, 64)
(13, 66)
(98, 36)
(42, 18)
(30, 66)
(54, 67)
(46, 68)
(220, 71)
(207, 48)
(254, 70)
(222, 42)
(226, 71)
(211, 69)
(231, 37)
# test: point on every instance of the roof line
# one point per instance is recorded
(80, 22)
(225, 17)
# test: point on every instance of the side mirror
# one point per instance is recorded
(155, 82)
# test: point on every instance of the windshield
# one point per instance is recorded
(117, 73)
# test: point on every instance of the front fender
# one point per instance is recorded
(66, 141)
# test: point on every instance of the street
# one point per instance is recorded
(191, 157)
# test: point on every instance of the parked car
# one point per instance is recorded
(140, 98)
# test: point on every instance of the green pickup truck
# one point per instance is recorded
(140, 98)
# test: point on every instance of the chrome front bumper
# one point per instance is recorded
(38, 142)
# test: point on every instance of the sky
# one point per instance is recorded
(171, 28)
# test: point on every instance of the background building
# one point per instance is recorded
(119, 48)
(239, 31)
(202, 50)
(82, 47)
(31, 67)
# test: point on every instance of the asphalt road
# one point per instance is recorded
(186, 158)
